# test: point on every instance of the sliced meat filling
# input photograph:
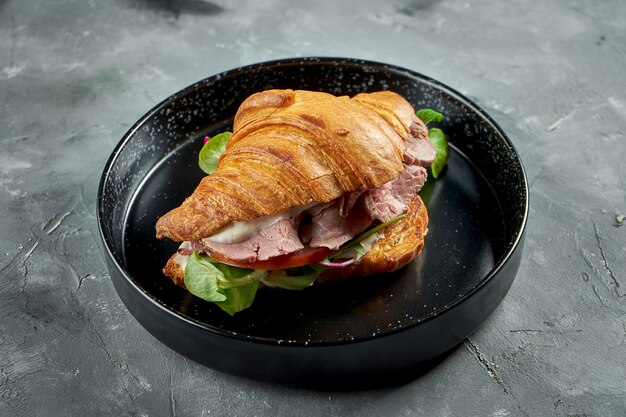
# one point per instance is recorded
(328, 228)
(279, 238)
(348, 200)
(419, 149)
(391, 199)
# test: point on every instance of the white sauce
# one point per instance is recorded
(240, 231)
(182, 259)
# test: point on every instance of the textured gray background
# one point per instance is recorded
(74, 76)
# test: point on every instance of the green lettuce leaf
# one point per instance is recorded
(292, 279)
(230, 288)
(429, 115)
(440, 142)
(359, 248)
(211, 152)
(201, 278)
(238, 298)
(233, 289)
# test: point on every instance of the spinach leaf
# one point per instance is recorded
(292, 279)
(230, 288)
(359, 248)
(429, 115)
(211, 152)
(201, 278)
(238, 298)
(440, 142)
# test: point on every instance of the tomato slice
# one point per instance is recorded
(304, 256)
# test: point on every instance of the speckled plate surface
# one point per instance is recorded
(376, 326)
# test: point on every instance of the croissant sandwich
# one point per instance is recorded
(308, 188)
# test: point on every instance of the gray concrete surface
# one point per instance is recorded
(75, 75)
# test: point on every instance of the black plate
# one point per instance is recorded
(376, 326)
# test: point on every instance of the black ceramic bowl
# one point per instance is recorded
(365, 329)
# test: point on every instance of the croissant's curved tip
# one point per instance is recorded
(162, 231)
(164, 227)
(189, 222)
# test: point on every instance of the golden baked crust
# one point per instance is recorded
(401, 243)
(290, 148)
(174, 271)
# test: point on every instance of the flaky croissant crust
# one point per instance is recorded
(290, 148)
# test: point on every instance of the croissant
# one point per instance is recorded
(291, 148)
